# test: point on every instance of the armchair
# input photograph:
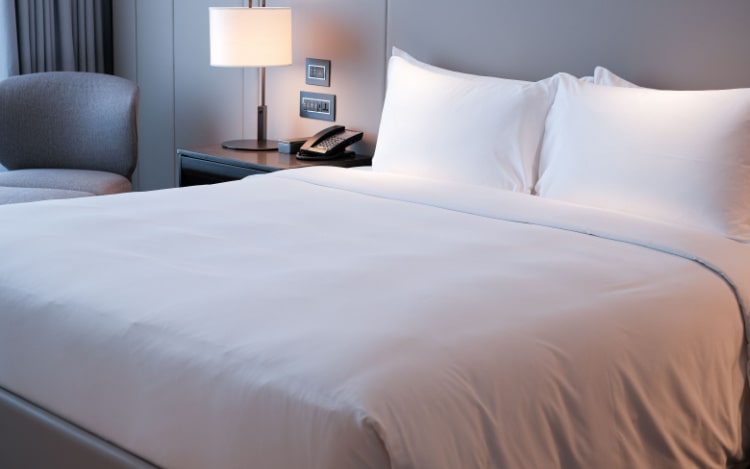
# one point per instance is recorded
(66, 134)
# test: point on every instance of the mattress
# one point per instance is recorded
(330, 318)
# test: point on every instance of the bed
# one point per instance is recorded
(574, 294)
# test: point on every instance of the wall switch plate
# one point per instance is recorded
(318, 72)
(317, 106)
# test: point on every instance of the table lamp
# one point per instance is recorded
(251, 37)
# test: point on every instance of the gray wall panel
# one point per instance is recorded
(155, 76)
(678, 44)
(125, 48)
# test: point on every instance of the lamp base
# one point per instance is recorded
(251, 145)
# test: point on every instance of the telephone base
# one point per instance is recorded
(313, 157)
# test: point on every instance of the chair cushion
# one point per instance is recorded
(15, 195)
(83, 181)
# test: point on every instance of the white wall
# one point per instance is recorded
(163, 45)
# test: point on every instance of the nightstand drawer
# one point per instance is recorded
(213, 163)
(202, 171)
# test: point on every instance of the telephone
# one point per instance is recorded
(329, 143)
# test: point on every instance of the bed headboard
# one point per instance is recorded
(677, 44)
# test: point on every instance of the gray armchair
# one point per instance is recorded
(66, 134)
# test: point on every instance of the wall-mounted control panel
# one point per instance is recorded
(317, 106)
(318, 72)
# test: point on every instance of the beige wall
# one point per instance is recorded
(163, 45)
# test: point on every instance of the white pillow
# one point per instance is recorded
(459, 127)
(678, 156)
(396, 52)
(603, 76)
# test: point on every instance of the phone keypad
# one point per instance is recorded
(330, 142)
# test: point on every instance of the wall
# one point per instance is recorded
(665, 44)
(163, 46)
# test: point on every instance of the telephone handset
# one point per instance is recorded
(329, 143)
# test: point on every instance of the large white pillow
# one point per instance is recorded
(603, 76)
(678, 156)
(396, 52)
(459, 127)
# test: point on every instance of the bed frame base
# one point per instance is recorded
(33, 437)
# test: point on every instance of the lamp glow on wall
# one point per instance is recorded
(251, 37)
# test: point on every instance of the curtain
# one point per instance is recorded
(8, 49)
(8, 46)
(73, 35)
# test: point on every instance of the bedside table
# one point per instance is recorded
(214, 163)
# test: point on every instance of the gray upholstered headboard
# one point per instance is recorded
(677, 44)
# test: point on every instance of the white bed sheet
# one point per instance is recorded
(331, 318)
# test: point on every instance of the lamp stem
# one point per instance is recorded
(262, 109)
(262, 114)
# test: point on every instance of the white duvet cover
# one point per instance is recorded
(329, 318)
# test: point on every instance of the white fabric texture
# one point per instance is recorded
(396, 52)
(678, 156)
(460, 128)
(604, 76)
(386, 322)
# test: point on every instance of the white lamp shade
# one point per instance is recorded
(250, 37)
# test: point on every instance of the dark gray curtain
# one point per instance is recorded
(71, 35)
